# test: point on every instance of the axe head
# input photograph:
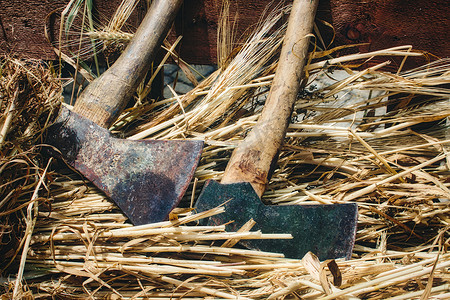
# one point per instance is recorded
(146, 179)
(326, 230)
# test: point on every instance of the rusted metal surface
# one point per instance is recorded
(146, 179)
(326, 230)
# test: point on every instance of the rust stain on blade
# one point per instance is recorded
(146, 179)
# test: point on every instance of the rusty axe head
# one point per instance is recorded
(146, 179)
(326, 230)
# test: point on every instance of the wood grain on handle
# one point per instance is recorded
(253, 160)
(105, 97)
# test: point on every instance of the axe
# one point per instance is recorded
(147, 178)
(327, 230)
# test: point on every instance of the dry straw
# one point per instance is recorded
(29, 97)
(387, 150)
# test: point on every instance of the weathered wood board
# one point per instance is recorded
(381, 23)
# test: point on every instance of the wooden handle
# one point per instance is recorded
(254, 159)
(105, 97)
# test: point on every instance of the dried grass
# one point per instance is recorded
(29, 97)
(391, 162)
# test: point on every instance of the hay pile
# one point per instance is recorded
(387, 151)
(29, 98)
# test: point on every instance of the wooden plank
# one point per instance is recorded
(387, 23)
(382, 23)
(22, 24)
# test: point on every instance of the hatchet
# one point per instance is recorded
(147, 178)
(326, 230)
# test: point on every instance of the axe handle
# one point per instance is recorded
(254, 159)
(105, 97)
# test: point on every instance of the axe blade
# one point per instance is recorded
(146, 179)
(326, 230)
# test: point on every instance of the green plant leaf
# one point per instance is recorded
(72, 15)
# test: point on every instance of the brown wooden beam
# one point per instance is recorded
(381, 23)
